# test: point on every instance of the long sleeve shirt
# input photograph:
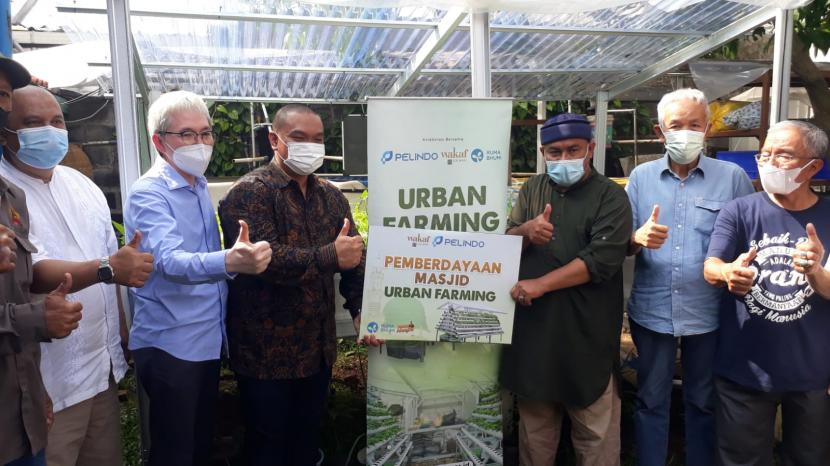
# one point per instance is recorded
(70, 220)
(181, 308)
(566, 344)
(669, 294)
(281, 323)
(22, 328)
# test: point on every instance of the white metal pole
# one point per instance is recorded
(541, 114)
(781, 61)
(480, 53)
(601, 130)
(123, 77)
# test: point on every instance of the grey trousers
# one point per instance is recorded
(745, 424)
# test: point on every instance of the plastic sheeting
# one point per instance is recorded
(546, 6)
(534, 55)
(719, 78)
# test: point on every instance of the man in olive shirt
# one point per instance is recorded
(576, 226)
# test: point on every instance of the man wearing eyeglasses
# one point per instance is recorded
(575, 225)
(178, 325)
(674, 201)
(773, 346)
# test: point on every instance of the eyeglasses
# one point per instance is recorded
(554, 154)
(782, 158)
(192, 137)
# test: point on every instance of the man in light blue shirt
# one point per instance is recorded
(178, 317)
(674, 201)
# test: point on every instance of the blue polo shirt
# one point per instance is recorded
(669, 294)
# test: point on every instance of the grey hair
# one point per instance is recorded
(170, 103)
(694, 95)
(814, 138)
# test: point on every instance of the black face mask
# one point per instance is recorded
(4, 118)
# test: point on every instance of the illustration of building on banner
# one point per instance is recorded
(446, 420)
(461, 322)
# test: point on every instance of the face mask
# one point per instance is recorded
(303, 157)
(778, 180)
(43, 147)
(193, 159)
(565, 172)
(684, 146)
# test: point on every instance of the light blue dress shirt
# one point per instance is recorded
(181, 308)
(669, 294)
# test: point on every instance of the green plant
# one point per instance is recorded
(231, 122)
(360, 214)
(119, 233)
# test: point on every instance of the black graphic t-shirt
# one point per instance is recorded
(777, 337)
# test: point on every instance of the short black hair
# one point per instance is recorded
(281, 117)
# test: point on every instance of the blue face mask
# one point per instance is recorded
(565, 172)
(43, 147)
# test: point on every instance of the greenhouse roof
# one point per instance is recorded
(265, 50)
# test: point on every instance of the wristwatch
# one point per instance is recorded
(105, 272)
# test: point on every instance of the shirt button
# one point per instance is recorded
(676, 269)
(677, 247)
(679, 205)
(682, 185)
(679, 226)
(677, 291)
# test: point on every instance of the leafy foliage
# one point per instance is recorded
(812, 24)
(523, 147)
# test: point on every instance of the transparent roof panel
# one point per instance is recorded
(294, 50)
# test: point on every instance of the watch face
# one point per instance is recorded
(105, 274)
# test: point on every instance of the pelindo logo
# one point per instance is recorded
(390, 156)
(457, 243)
(477, 155)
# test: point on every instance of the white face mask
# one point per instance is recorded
(303, 157)
(684, 146)
(193, 159)
(779, 180)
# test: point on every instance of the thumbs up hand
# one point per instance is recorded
(738, 275)
(246, 257)
(62, 316)
(652, 235)
(539, 231)
(8, 248)
(348, 249)
(808, 255)
(131, 267)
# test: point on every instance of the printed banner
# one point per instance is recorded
(439, 164)
(433, 403)
(441, 286)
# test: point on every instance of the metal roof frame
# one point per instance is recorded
(480, 69)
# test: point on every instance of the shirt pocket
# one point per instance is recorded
(705, 213)
(23, 269)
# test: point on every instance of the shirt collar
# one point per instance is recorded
(172, 178)
(703, 164)
(281, 179)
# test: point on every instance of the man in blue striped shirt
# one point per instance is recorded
(674, 201)
(178, 325)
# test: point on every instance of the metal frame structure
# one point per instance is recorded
(481, 73)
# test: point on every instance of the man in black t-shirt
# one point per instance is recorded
(774, 348)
